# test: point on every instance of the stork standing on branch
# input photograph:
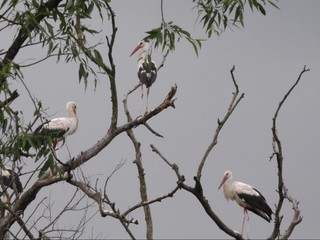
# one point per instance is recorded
(147, 70)
(60, 128)
(246, 196)
(6, 176)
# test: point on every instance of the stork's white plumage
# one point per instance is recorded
(60, 128)
(147, 70)
(246, 196)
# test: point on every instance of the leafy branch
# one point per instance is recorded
(218, 15)
(168, 34)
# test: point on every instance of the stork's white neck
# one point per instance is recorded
(228, 189)
(71, 109)
(72, 114)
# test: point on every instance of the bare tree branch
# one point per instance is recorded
(158, 199)
(152, 131)
(233, 104)
(282, 189)
(112, 73)
(20, 222)
(173, 166)
(25, 199)
(296, 218)
(197, 191)
(97, 197)
(142, 180)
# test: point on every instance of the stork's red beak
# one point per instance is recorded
(136, 49)
(222, 182)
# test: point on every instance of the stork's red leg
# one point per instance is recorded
(141, 91)
(245, 219)
(148, 89)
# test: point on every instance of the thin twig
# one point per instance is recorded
(164, 58)
(152, 131)
(172, 165)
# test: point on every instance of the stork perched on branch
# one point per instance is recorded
(60, 128)
(9, 180)
(246, 196)
(147, 70)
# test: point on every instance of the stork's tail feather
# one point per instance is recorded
(266, 214)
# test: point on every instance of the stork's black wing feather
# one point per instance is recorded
(256, 203)
(147, 73)
(53, 132)
(9, 180)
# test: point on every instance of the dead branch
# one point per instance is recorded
(32, 213)
(233, 104)
(96, 195)
(152, 131)
(282, 189)
(296, 218)
(158, 199)
(197, 191)
(20, 222)
(174, 166)
(133, 89)
(116, 212)
(142, 180)
(25, 199)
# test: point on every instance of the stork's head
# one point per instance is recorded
(143, 44)
(71, 107)
(227, 175)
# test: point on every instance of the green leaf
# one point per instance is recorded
(273, 4)
(261, 9)
(81, 71)
(154, 32)
(238, 15)
(70, 4)
(98, 58)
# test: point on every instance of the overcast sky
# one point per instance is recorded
(269, 53)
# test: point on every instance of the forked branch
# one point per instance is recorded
(282, 189)
(197, 191)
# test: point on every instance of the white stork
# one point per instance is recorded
(7, 180)
(246, 196)
(147, 70)
(60, 128)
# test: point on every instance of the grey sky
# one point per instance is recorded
(268, 53)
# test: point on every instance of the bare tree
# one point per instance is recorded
(69, 40)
